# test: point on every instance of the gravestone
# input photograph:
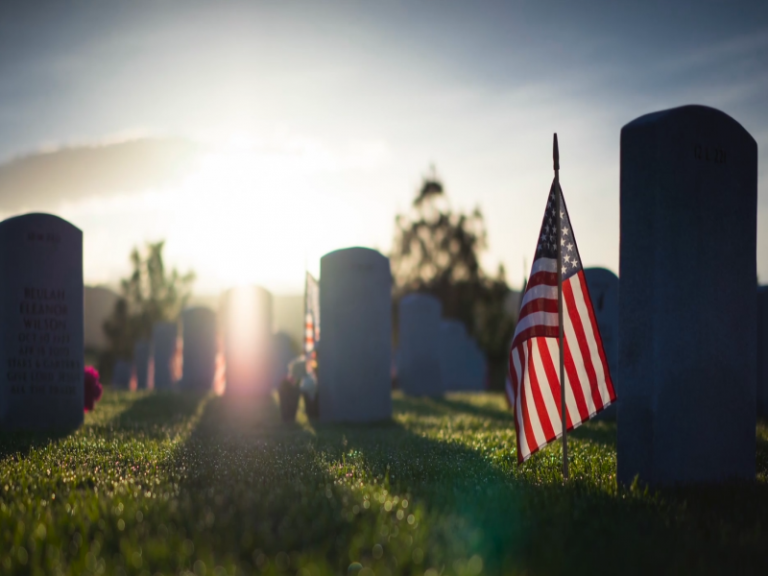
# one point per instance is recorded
(283, 351)
(141, 362)
(355, 353)
(247, 329)
(164, 335)
(199, 348)
(454, 352)
(418, 355)
(603, 288)
(41, 322)
(687, 311)
(121, 375)
(762, 351)
(476, 367)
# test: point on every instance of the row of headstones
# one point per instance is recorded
(153, 360)
(354, 380)
(354, 355)
(688, 357)
(153, 363)
(434, 355)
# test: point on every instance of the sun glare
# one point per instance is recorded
(253, 214)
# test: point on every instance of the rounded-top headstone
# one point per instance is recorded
(247, 328)
(164, 335)
(141, 362)
(41, 322)
(199, 348)
(687, 311)
(453, 355)
(354, 358)
(603, 288)
(418, 355)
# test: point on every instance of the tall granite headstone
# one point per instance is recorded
(199, 348)
(141, 363)
(355, 355)
(164, 335)
(762, 351)
(41, 322)
(604, 290)
(418, 357)
(247, 327)
(121, 375)
(687, 310)
(454, 352)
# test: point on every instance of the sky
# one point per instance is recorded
(255, 137)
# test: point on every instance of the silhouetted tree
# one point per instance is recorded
(150, 294)
(437, 250)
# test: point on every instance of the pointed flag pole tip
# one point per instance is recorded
(556, 153)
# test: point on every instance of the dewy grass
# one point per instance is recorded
(184, 484)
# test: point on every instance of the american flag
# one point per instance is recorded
(533, 387)
(312, 314)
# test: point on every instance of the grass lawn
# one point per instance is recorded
(184, 484)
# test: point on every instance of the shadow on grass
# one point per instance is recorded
(20, 443)
(601, 432)
(446, 406)
(462, 406)
(251, 485)
(274, 487)
(158, 408)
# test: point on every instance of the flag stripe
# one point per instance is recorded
(577, 284)
(538, 319)
(548, 363)
(580, 377)
(608, 385)
(539, 305)
(583, 346)
(522, 442)
(571, 406)
(530, 441)
(536, 331)
(542, 279)
(550, 389)
(544, 416)
(540, 291)
(573, 380)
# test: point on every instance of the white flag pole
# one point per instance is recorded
(558, 207)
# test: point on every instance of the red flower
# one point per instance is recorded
(93, 388)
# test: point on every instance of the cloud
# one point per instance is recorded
(44, 180)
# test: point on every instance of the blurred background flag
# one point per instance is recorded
(534, 384)
(311, 314)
